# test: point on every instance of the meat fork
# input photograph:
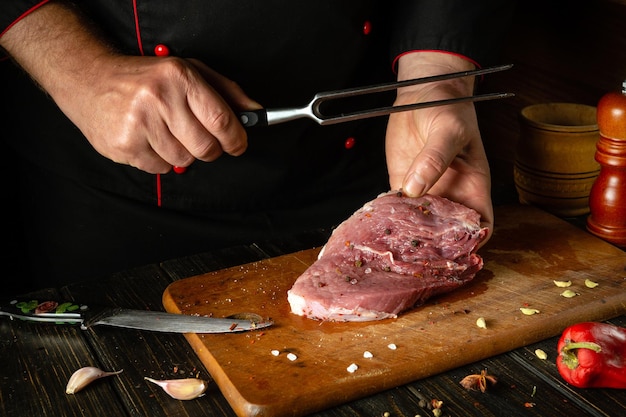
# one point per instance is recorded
(267, 117)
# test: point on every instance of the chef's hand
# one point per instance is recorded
(148, 112)
(155, 113)
(439, 150)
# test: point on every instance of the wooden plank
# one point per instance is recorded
(37, 361)
(529, 250)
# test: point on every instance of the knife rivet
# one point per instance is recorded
(349, 143)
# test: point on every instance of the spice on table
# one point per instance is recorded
(569, 294)
(593, 355)
(181, 389)
(478, 381)
(481, 322)
(562, 284)
(436, 406)
(590, 284)
(85, 376)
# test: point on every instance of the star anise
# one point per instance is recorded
(478, 381)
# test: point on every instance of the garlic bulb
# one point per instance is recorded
(84, 376)
(181, 389)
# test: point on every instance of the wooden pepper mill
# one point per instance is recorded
(607, 199)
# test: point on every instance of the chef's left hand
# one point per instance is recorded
(439, 150)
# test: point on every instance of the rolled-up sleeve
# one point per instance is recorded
(11, 11)
(472, 29)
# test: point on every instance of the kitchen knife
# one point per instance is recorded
(73, 313)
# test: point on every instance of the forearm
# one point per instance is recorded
(57, 49)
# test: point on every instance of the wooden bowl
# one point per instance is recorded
(554, 162)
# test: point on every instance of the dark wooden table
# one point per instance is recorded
(36, 361)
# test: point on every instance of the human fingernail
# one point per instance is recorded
(414, 185)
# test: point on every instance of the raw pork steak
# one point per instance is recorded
(390, 255)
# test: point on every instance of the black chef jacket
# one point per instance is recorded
(86, 216)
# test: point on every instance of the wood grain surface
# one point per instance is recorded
(529, 250)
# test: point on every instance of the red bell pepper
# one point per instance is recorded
(593, 355)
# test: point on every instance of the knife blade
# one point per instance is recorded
(157, 321)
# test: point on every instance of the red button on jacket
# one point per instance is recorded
(161, 50)
(349, 143)
(367, 27)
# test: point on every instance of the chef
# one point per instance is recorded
(121, 121)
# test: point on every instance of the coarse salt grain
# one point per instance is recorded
(367, 354)
(352, 368)
(275, 352)
(392, 346)
(291, 357)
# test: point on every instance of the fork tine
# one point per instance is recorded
(379, 88)
(382, 111)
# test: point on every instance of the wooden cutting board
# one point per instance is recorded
(529, 250)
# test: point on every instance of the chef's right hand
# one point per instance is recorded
(155, 113)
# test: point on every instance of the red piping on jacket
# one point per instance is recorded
(137, 31)
(26, 13)
(140, 46)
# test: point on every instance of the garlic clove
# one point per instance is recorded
(84, 376)
(181, 389)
